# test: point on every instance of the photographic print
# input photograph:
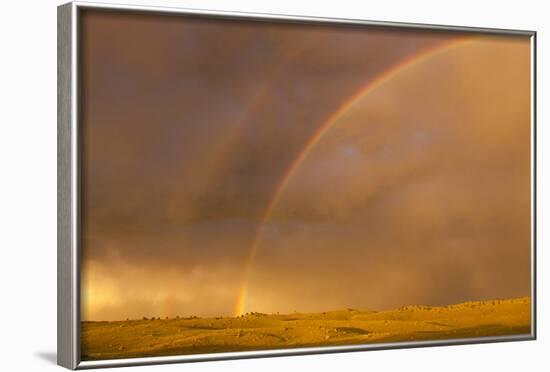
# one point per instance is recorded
(261, 184)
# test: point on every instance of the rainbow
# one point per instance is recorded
(217, 158)
(370, 86)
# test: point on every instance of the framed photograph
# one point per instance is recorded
(235, 185)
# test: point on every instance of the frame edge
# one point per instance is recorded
(68, 193)
(66, 315)
(291, 18)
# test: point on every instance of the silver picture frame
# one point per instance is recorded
(68, 186)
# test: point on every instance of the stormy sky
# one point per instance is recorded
(418, 193)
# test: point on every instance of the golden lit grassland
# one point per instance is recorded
(181, 336)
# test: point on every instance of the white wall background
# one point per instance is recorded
(28, 184)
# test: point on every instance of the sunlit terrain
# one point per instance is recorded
(256, 331)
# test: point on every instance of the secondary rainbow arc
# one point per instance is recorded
(382, 78)
(222, 150)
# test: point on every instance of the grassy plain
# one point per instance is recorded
(255, 331)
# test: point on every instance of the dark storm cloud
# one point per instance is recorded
(188, 127)
(161, 93)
